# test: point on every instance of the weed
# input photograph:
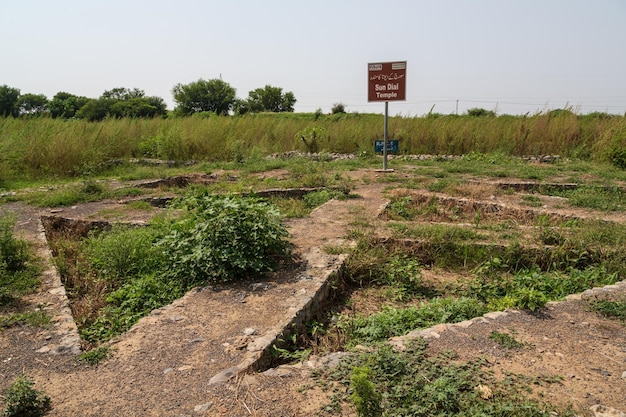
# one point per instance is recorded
(398, 321)
(401, 274)
(437, 233)
(611, 308)
(290, 207)
(317, 198)
(364, 395)
(531, 200)
(337, 249)
(18, 268)
(287, 349)
(22, 400)
(505, 340)
(441, 185)
(301, 207)
(598, 198)
(412, 382)
(95, 356)
(140, 205)
(402, 208)
(68, 195)
(30, 318)
(124, 251)
(125, 306)
(531, 289)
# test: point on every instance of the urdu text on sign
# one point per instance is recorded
(386, 81)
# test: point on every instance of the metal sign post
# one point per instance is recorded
(385, 136)
(386, 82)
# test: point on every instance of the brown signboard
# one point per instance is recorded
(386, 81)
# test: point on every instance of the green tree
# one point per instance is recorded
(479, 112)
(139, 107)
(66, 105)
(96, 109)
(271, 99)
(204, 95)
(241, 106)
(338, 108)
(121, 94)
(32, 104)
(123, 102)
(8, 101)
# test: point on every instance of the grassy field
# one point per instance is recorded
(43, 148)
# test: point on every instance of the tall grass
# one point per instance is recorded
(52, 147)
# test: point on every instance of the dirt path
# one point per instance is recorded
(179, 360)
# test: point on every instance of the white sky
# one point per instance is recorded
(511, 56)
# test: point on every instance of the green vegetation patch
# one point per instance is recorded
(22, 400)
(19, 269)
(30, 318)
(605, 199)
(398, 321)
(224, 238)
(412, 382)
(95, 356)
(531, 289)
(116, 277)
(506, 340)
(611, 308)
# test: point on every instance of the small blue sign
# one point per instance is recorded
(392, 146)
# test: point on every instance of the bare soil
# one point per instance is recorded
(163, 366)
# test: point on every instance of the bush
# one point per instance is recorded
(124, 251)
(364, 395)
(224, 238)
(24, 401)
(618, 157)
(18, 275)
(338, 108)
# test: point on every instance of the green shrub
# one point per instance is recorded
(224, 238)
(617, 156)
(18, 271)
(364, 396)
(125, 251)
(479, 112)
(22, 400)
